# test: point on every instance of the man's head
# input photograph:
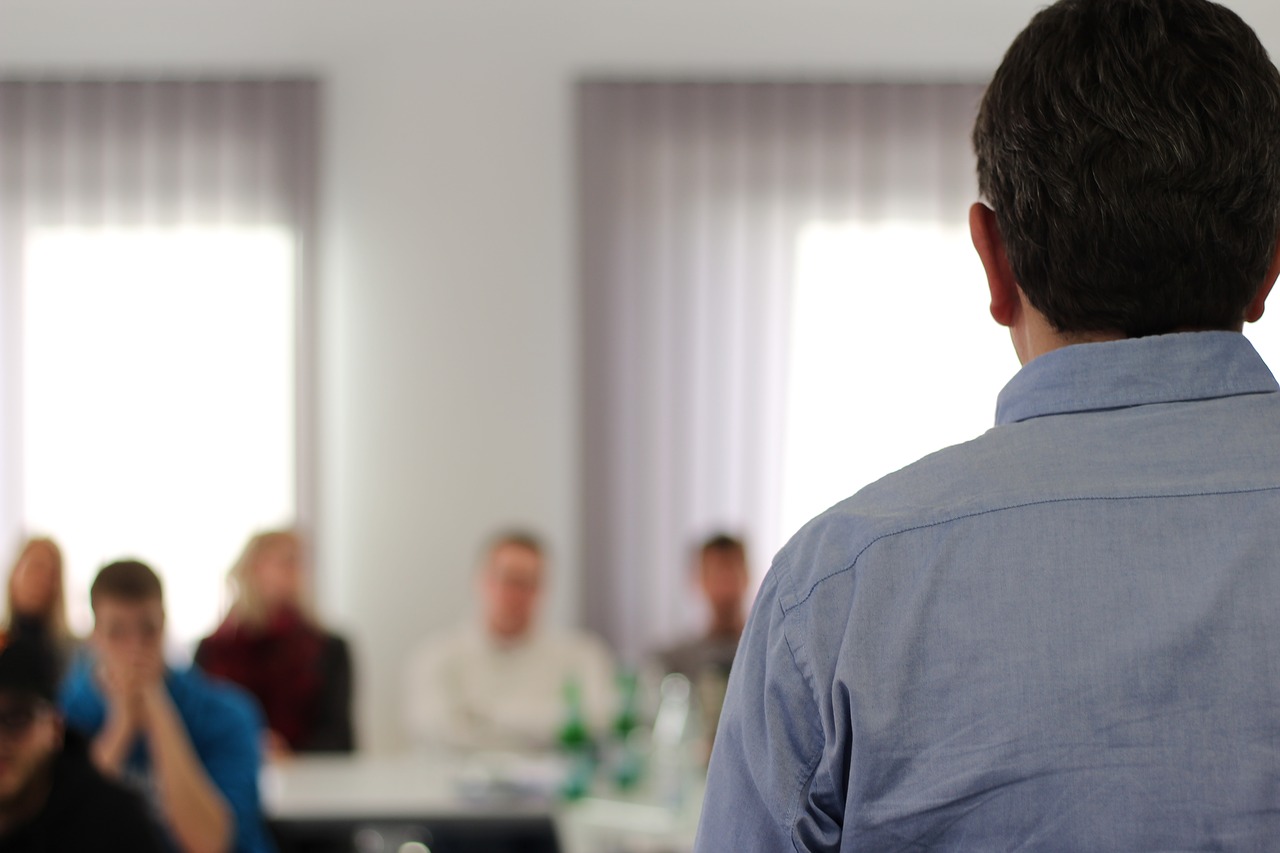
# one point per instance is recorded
(1131, 152)
(128, 615)
(30, 726)
(511, 577)
(723, 576)
(268, 577)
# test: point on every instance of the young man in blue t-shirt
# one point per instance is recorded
(191, 744)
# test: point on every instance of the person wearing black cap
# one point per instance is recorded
(52, 798)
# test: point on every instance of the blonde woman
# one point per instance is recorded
(272, 646)
(37, 607)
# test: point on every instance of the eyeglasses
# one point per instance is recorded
(16, 719)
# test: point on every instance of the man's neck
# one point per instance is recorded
(29, 802)
(727, 626)
(507, 640)
(1034, 335)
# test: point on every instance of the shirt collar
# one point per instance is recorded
(482, 635)
(1135, 372)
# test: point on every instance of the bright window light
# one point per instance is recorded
(1265, 334)
(158, 404)
(893, 355)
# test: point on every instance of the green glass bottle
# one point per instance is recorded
(624, 758)
(574, 741)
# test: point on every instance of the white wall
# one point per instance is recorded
(448, 363)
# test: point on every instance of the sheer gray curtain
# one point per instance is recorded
(117, 154)
(692, 198)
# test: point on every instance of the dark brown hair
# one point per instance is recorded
(1131, 151)
(723, 543)
(125, 580)
(518, 537)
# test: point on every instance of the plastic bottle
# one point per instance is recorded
(671, 759)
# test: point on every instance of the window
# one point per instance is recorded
(156, 258)
(748, 249)
(158, 402)
(893, 356)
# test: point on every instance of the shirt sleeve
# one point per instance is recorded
(229, 747)
(768, 744)
(78, 697)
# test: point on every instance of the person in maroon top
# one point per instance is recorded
(271, 645)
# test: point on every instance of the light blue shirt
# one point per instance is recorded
(1063, 635)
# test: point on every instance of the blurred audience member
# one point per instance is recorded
(37, 605)
(723, 578)
(51, 796)
(504, 683)
(705, 659)
(270, 645)
(189, 743)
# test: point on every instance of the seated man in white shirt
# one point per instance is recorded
(501, 682)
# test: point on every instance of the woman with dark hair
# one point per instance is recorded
(271, 645)
(37, 608)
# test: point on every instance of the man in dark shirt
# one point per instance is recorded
(51, 796)
(723, 578)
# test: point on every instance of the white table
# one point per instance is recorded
(367, 789)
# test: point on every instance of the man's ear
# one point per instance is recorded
(1005, 301)
(1253, 312)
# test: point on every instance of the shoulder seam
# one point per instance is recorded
(975, 514)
